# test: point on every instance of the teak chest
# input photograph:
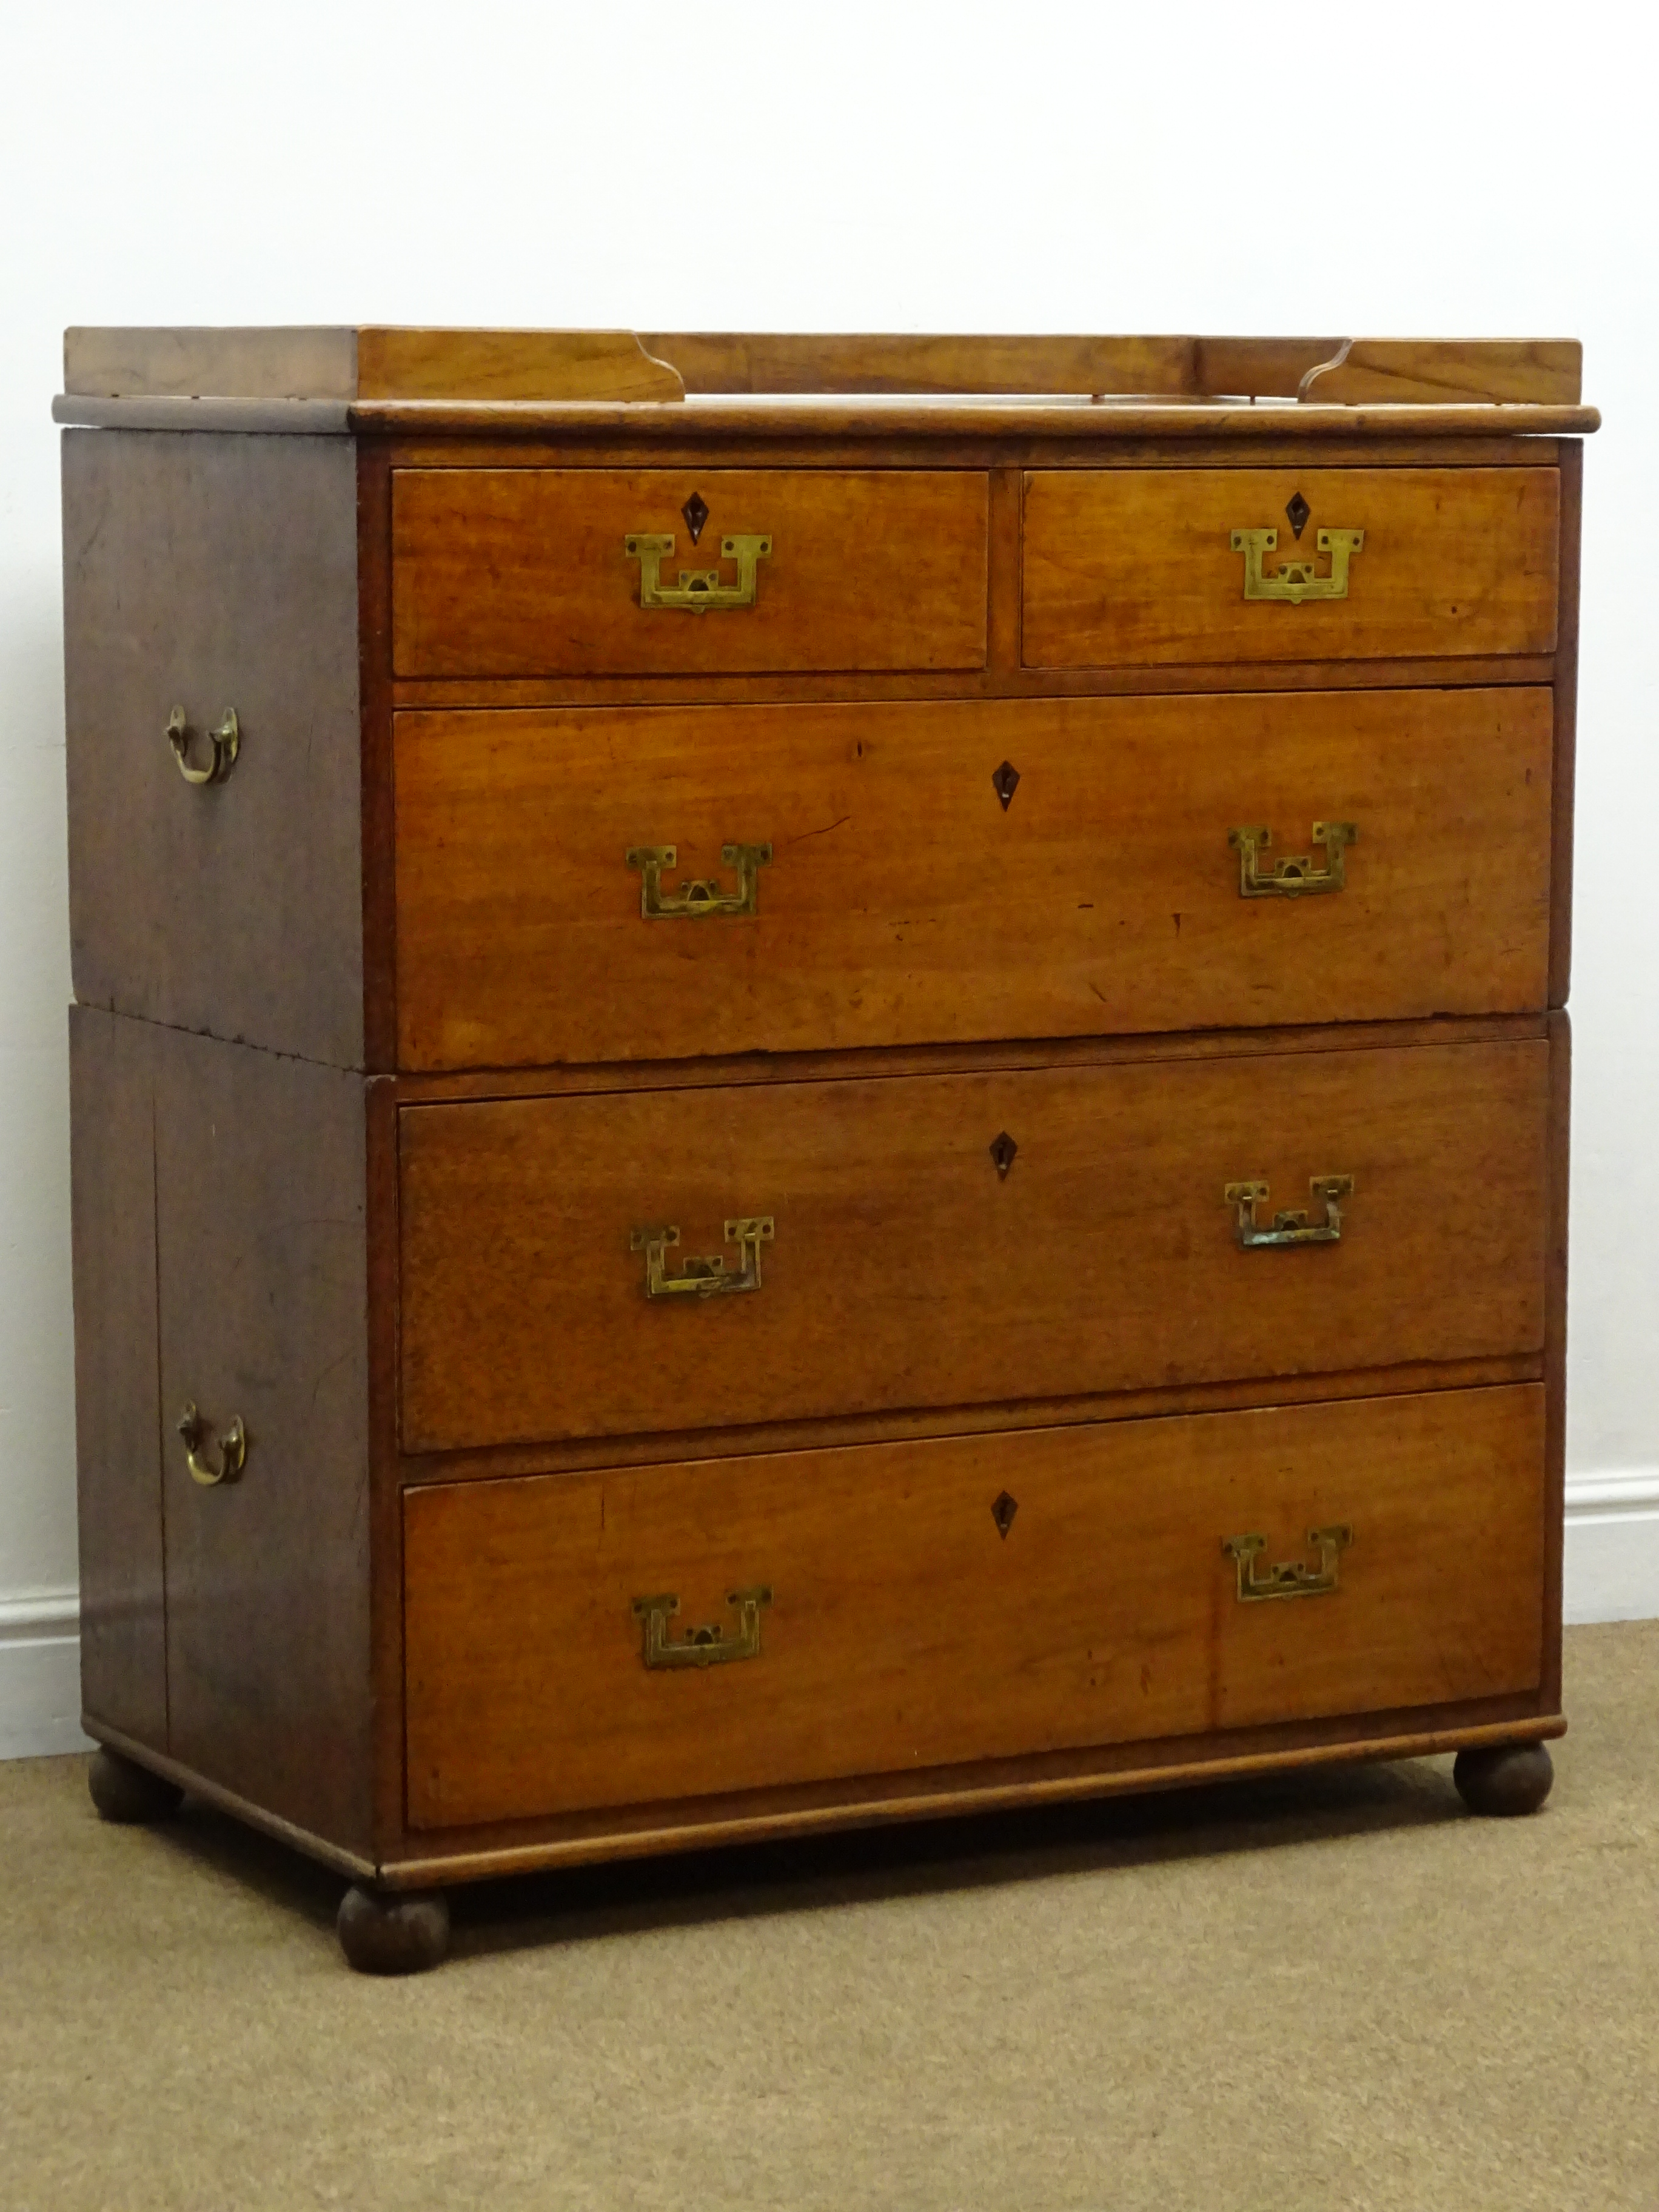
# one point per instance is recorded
(814, 1080)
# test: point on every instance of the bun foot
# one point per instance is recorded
(394, 1931)
(1508, 1777)
(124, 1790)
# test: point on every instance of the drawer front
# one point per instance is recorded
(960, 1239)
(897, 900)
(965, 1598)
(1134, 567)
(543, 572)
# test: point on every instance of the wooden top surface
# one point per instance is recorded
(506, 382)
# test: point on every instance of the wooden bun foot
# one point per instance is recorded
(124, 1790)
(1509, 1777)
(392, 1931)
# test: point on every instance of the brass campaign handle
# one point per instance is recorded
(231, 1446)
(1292, 1226)
(226, 741)
(702, 896)
(705, 1278)
(699, 1647)
(699, 590)
(1287, 1577)
(1296, 580)
(1295, 876)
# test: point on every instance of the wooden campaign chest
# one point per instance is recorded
(815, 1080)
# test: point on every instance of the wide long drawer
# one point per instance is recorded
(662, 1260)
(544, 572)
(918, 872)
(626, 1636)
(1136, 568)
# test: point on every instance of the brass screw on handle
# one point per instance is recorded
(232, 1445)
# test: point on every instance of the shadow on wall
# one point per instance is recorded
(37, 1410)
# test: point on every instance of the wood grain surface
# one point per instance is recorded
(904, 1632)
(301, 362)
(1564, 745)
(1543, 372)
(379, 361)
(905, 1272)
(260, 1225)
(398, 363)
(826, 427)
(118, 1425)
(904, 904)
(517, 571)
(1126, 567)
(213, 573)
(375, 362)
(755, 361)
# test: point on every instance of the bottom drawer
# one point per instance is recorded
(642, 1634)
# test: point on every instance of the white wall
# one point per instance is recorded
(1436, 169)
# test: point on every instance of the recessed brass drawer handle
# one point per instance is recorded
(699, 590)
(226, 741)
(231, 1447)
(1288, 1578)
(1295, 876)
(702, 896)
(1296, 580)
(702, 1647)
(702, 1278)
(1292, 1226)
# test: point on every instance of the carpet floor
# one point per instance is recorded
(1332, 1990)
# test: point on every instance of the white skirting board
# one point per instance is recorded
(39, 1674)
(1612, 1573)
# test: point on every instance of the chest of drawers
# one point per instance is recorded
(806, 1092)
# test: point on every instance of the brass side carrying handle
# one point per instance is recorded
(700, 1647)
(1295, 876)
(1292, 1226)
(1296, 580)
(699, 590)
(232, 1448)
(701, 897)
(1287, 1577)
(226, 741)
(707, 1277)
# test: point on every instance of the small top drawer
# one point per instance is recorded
(1140, 568)
(591, 572)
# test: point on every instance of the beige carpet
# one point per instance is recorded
(1333, 1991)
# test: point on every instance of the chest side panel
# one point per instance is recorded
(215, 574)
